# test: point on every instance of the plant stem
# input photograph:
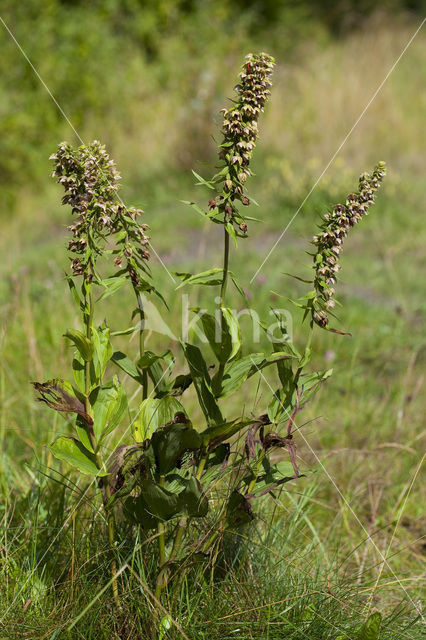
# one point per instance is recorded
(161, 578)
(184, 521)
(142, 342)
(225, 268)
(201, 466)
(222, 296)
(256, 474)
(105, 485)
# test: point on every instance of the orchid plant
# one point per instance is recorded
(165, 479)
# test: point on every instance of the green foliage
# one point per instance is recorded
(74, 452)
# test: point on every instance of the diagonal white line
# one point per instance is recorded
(64, 115)
(340, 146)
(41, 80)
(347, 504)
(78, 503)
(401, 511)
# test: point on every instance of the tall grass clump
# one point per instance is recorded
(183, 489)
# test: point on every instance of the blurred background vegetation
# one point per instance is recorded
(148, 78)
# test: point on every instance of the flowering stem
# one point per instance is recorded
(222, 295)
(225, 269)
(105, 485)
(256, 473)
(142, 343)
(161, 578)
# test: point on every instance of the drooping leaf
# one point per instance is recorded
(127, 365)
(239, 510)
(201, 181)
(236, 373)
(202, 383)
(171, 442)
(111, 285)
(211, 277)
(163, 504)
(238, 287)
(198, 209)
(272, 476)
(81, 342)
(137, 511)
(78, 301)
(59, 395)
(181, 383)
(219, 455)
(218, 433)
(73, 452)
(148, 358)
(159, 375)
(222, 332)
(154, 413)
(193, 500)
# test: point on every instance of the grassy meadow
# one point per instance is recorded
(348, 538)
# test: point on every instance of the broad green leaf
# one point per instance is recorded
(163, 504)
(73, 452)
(111, 285)
(194, 500)
(234, 331)
(137, 511)
(154, 413)
(159, 376)
(78, 372)
(102, 349)
(149, 358)
(83, 344)
(127, 365)
(218, 455)
(109, 404)
(230, 229)
(220, 432)
(371, 628)
(202, 383)
(213, 332)
(83, 432)
(170, 443)
(212, 277)
(236, 373)
(238, 510)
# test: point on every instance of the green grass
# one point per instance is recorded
(315, 562)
